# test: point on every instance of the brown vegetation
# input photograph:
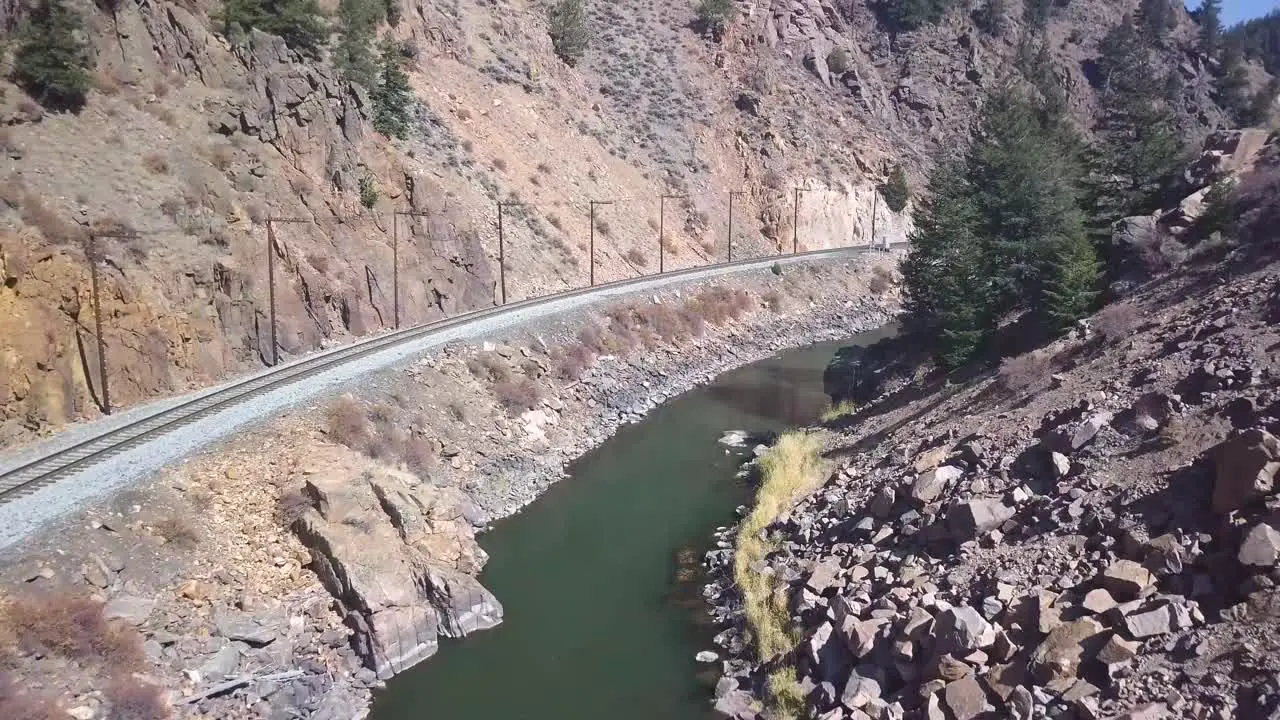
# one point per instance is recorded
(490, 366)
(518, 394)
(17, 703)
(72, 627)
(177, 530)
(1019, 375)
(346, 422)
(572, 361)
(637, 258)
(133, 700)
(1116, 322)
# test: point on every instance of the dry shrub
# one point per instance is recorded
(222, 155)
(156, 163)
(572, 361)
(718, 305)
(161, 113)
(555, 221)
(290, 506)
(774, 300)
(500, 164)
(881, 280)
(1116, 322)
(105, 82)
(1019, 375)
(602, 227)
(518, 395)
(346, 423)
(134, 700)
(382, 413)
(419, 456)
(637, 258)
(19, 704)
(490, 366)
(72, 627)
(544, 168)
(177, 530)
(50, 224)
(160, 88)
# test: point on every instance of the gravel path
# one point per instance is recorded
(26, 514)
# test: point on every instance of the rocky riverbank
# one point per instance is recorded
(288, 573)
(1089, 532)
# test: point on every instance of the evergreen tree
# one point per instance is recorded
(1260, 38)
(1070, 280)
(990, 17)
(912, 14)
(299, 22)
(392, 98)
(51, 63)
(354, 56)
(1210, 17)
(1139, 145)
(715, 15)
(1157, 17)
(569, 34)
(895, 190)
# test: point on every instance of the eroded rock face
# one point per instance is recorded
(399, 557)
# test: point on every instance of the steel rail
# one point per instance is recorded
(42, 471)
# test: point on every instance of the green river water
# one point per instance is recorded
(598, 578)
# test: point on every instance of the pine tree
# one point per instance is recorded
(354, 56)
(51, 63)
(946, 289)
(1232, 83)
(913, 14)
(1210, 17)
(569, 33)
(299, 22)
(1157, 17)
(392, 98)
(1070, 281)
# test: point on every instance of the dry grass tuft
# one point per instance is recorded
(419, 456)
(490, 366)
(637, 258)
(72, 627)
(842, 409)
(572, 361)
(789, 470)
(156, 163)
(1019, 375)
(134, 700)
(19, 704)
(518, 395)
(50, 224)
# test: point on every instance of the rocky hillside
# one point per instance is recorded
(1088, 532)
(194, 141)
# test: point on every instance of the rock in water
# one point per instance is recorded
(706, 656)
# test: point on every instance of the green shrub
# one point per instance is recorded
(838, 61)
(569, 34)
(299, 22)
(895, 190)
(715, 15)
(368, 193)
(392, 98)
(51, 62)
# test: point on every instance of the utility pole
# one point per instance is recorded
(91, 255)
(875, 205)
(395, 260)
(271, 279)
(662, 239)
(731, 194)
(592, 246)
(502, 256)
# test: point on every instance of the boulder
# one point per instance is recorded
(823, 575)
(1127, 579)
(1058, 657)
(396, 555)
(969, 519)
(930, 484)
(930, 459)
(1098, 601)
(129, 609)
(961, 630)
(1061, 464)
(1246, 467)
(1117, 651)
(882, 503)
(859, 691)
(245, 628)
(1261, 547)
(1149, 624)
(964, 698)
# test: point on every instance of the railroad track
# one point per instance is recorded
(46, 470)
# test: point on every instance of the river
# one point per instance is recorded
(600, 578)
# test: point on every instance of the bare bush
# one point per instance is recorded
(419, 456)
(774, 300)
(637, 258)
(50, 224)
(881, 280)
(1019, 375)
(17, 703)
(134, 700)
(346, 422)
(382, 413)
(489, 366)
(177, 530)
(290, 506)
(1116, 322)
(222, 155)
(718, 305)
(518, 395)
(572, 361)
(72, 627)
(602, 227)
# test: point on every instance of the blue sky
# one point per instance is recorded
(1233, 11)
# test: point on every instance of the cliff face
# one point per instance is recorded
(194, 143)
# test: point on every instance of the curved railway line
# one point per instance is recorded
(33, 474)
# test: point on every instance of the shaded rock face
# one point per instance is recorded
(399, 558)
(1246, 469)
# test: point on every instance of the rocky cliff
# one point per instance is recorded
(193, 142)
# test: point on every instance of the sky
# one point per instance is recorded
(1233, 11)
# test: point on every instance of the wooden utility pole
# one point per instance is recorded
(92, 257)
(271, 279)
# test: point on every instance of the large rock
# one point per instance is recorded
(1127, 579)
(1261, 547)
(1058, 656)
(1149, 624)
(930, 483)
(961, 630)
(969, 519)
(397, 557)
(859, 691)
(1246, 469)
(965, 698)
